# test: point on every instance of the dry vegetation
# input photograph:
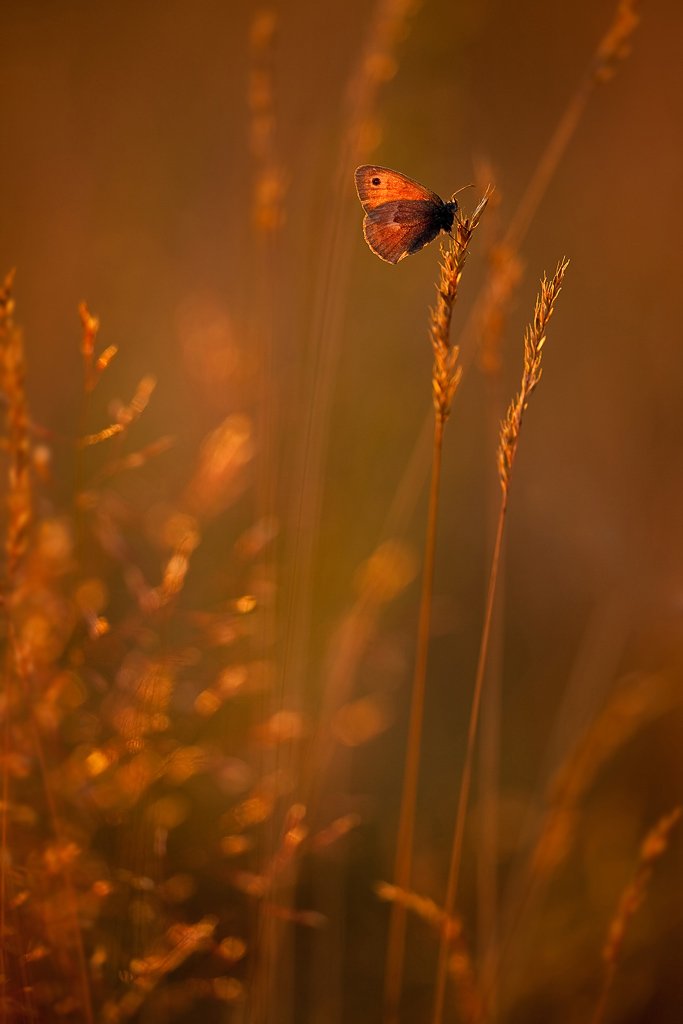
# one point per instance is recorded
(174, 817)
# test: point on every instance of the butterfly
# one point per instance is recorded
(401, 216)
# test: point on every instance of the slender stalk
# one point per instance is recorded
(613, 47)
(6, 328)
(466, 780)
(268, 202)
(387, 28)
(406, 827)
(654, 845)
(534, 341)
(488, 757)
(446, 375)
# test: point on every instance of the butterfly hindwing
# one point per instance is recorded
(396, 229)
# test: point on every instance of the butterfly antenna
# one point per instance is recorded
(461, 189)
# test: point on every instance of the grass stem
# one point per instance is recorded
(404, 847)
(446, 374)
(466, 780)
(534, 341)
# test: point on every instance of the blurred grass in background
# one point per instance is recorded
(210, 615)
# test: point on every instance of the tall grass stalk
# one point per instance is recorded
(494, 294)
(534, 340)
(446, 375)
(376, 64)
(653, 847)
(490, 315)
(613, 47)
(268, 213)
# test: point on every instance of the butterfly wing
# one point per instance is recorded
(401, 227)
(401, 215)
(379, 185)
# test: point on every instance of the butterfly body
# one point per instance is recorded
(401, 216)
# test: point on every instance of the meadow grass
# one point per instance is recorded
(175, 812)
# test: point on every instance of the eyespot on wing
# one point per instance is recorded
(378, 185)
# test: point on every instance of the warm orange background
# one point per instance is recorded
(126, 180)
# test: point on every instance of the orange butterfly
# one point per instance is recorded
(401, 216)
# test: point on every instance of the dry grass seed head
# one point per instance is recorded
(615, 44)
(270, 186)
(377, 65)
(534, 340)
(505, 272)
(446, 372)
(92, 368)
(460, 963)
(652, 848)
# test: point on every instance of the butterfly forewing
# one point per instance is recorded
(378, 185)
